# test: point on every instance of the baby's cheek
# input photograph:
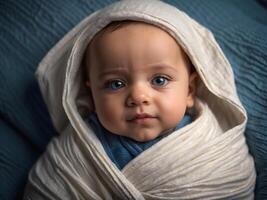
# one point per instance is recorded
(109, 113)
(174, 116)
(106, 110)
(173, 110)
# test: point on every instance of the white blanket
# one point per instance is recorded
(207, 159)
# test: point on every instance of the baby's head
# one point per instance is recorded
(140, 79)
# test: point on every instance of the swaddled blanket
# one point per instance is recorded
(207, 159)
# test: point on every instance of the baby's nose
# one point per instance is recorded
(138, 95)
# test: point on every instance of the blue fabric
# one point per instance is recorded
(30, 28)
(122, 150)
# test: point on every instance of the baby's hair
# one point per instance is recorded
(119, 24)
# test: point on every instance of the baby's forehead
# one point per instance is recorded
(112, 27)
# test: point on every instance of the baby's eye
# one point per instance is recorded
(115, 84)
(160, 81)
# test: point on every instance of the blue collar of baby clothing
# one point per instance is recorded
(122, 150)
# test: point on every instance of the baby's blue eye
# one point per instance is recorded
(115, 85)
(159, 81)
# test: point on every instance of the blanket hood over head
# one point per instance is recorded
(207, 159)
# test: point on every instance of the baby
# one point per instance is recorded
(146, 107)
(141, 83)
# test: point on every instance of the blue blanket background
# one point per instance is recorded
(28, 29)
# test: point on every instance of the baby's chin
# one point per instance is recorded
(148, 136)
(144, 137)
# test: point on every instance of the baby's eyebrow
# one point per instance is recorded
(162, 66)
(116, 71)
(155, 67)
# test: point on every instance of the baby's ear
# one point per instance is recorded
(192, 89)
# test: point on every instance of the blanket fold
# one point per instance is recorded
(207, 159)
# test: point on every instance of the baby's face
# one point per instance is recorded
(139, 80)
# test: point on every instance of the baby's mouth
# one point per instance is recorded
(141, 118)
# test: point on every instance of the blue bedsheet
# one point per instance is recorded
(28, 29)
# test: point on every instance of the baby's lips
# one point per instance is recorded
(140, 116)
